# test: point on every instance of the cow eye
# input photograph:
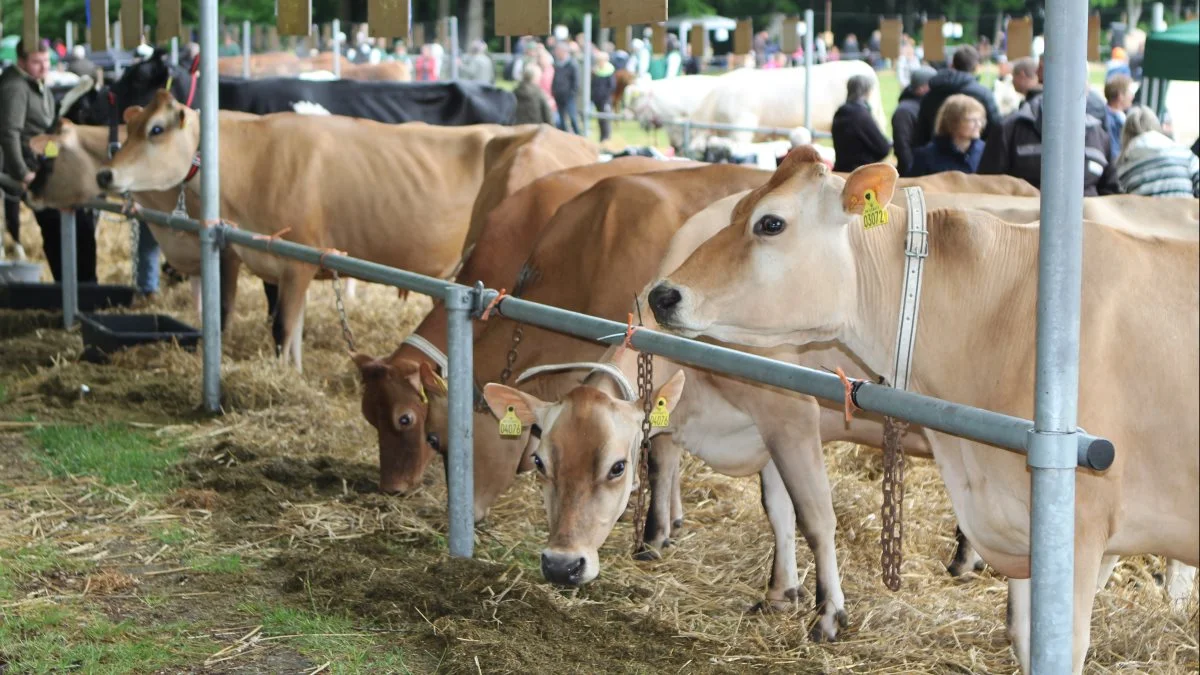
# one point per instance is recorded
(434, 442)
(541, 467)
(156, 130)
(617, 470)
(769, 226)
(404, 421)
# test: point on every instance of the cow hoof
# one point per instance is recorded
(677, 523)
(789, 603)
(647, 554)
(826, 628)
(960, 569)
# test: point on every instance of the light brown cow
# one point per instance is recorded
(1140, 323)
(287, 64)
(394, 194)
(392, 387)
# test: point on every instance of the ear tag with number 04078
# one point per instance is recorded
(660, 417)
(510, 425)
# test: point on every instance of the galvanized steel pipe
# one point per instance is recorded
(809, 17)
(210, 207)
(460, 460)
(246, 49)
(586, 75)
(69, 264)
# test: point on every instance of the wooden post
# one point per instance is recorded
(1093, 43)
(391, 18)
(615, 13)
(98, 37)
(621, 37)
(29, 32)
(933, 40)
(698, 39)
(418, 33)
(743, 38)
(294, 17)
(789, 41)
(889, 44)
(260, 38)
(131, 23)
(1020, 37)
(658, 38)
(522, 17)
(185, 33)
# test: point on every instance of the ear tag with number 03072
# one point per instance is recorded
(874, 214)
(51, 150)
(509, 424)
(660, 417)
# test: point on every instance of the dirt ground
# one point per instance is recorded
(256, 541)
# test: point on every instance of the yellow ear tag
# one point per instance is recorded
(51, 150)
(442, 383)
(660, 417)
(874, 214)
(424, 398)
(170, 79)
(509, 424)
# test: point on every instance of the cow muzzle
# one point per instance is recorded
(104, 179)
(665, 300)
(566, 568)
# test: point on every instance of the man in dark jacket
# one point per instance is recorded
(27, 109)
(565, 88)
(958, 79)
(904, 120)
(1015, 149)
(603, 84)
(857, 139)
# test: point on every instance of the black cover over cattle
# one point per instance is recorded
(441, 103)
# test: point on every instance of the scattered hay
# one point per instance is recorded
(109, 581)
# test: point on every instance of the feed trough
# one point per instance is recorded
(42, 296)
(104, 334)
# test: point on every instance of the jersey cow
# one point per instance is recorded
(1140, 323)
(322, 190)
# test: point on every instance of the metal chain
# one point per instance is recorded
(518, 333)
(892, 536)
(134, 242)
(341, 308)
(645, 383)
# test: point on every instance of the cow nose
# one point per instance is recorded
(565, 570)
(104, 178)
(664, 300)
(396, 489)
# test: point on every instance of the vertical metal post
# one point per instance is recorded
(70, 41)
(210, 207)
(460, 472)
(452, 29)
(1156, 18)
(1052, 451)
(337, 48)
(175, 51)
(246, 50)
(809, 18)
(586, 75)
(70, 268)
(687, 136)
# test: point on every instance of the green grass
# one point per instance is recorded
(115, 454)
(323, 637)
(222, 564)
(44, 638)
(19, 563)
(172, 536)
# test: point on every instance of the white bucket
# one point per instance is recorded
(19, 271)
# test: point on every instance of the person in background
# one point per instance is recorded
(565, 88)
(229, 46)
(857, 140)
(1118, 93)
(425, 67)
(1151, 164)
(477, 66)
(959, 78)
(1118, 64)
(400, 54)
(27, 108)
(546, 62)
(904, 119)
(955, 145)
(80, 64)
(1025, 78)
(908, 62)
(603, 84)
(532, 105)
(674, 56)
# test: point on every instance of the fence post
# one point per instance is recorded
(687, 136)
(210, 208)
(70, 41)
(460, 475)
(175, 50)
(69, 266)
(1052, 449)
(336, 31)
(809, 29)
(586, 75)
(452, 23)
(246, 50)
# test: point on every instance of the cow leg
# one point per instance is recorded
(798, 456)
(966, 559)
(293, 287)
(664, 459)
(677, 497)
(1180, 579)
(1020, 620)
(230, 265)
(784, 590)
(1106, 570)
(272, 292)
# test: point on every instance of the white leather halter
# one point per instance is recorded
(428, 349)
(916, 249)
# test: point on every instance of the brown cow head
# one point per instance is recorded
(162, 139)
(587, 462)
(69, 178)
(738, 286)
(406, 403)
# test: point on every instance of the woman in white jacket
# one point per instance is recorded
(1152, 164)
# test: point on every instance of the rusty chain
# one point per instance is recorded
(518, 333)
(341, 308)
(891, 536)
(645, 383)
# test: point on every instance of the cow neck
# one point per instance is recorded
(235, 169)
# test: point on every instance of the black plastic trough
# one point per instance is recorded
(49, 296)
(104, 334)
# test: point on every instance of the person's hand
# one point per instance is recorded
(28, 178)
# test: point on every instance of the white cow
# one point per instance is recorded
(655, 101)
(775, 98)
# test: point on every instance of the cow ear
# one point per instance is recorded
(502, 399)
(39, 143)
(131, 112)
(432, 381)
(877, 179)
(368, 366)
(671, 392)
